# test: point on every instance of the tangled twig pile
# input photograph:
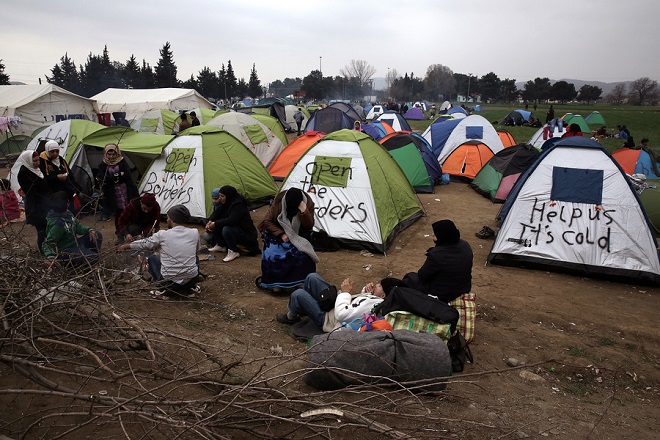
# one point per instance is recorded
(79, 362)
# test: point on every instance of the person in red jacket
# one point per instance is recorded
(140, 218)
(9, 210)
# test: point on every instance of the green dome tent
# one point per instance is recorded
(192, 165)
(361, 195)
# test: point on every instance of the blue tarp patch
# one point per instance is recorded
(577, 185)
(474, 132)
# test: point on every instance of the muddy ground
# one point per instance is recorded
(556, 356)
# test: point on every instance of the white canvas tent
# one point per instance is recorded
(253, 133)
(375, 111)
(41, 105)
(574, 209)
(137, 102)
(537, 139)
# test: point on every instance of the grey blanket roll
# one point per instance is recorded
(343, 358)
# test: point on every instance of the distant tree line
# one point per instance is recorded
(355, 81)
(100, 73)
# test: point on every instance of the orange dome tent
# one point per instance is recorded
(467, 160)
(291, 153)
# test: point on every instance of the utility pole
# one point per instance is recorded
(320, 67)
(468, 93)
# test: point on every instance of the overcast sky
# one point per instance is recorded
(592, 40)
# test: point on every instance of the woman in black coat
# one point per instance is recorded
(35, 193)
(231, 224)
(447, 271)
(117, 186)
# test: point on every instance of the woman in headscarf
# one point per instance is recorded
(447, 271)
(231, 224)
(35, 193)
(117, 187)
(57, 173)
(288, 256)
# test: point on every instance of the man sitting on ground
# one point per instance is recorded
(140, 218)
(305, 302)
(175, 266)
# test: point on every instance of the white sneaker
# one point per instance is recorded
(218, 248)
(231, 256)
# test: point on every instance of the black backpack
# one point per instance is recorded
(407, 299)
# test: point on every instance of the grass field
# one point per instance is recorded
(643, 122)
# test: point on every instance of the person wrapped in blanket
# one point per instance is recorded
(348, 306)
(288, 256)
(175, 266)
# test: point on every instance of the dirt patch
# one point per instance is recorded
(555, 355)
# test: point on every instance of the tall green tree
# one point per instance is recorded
(222, 83)
(92, 76)
(254, 85)
(4, 78)
(538, 89)
(589, 93)
(313, 85)
(490, 87)
(190, 83)
(207, 83)
(166, 69)
(230, 81)
(242, 88)
(147, 76)
(407, 88)
(563, 91)
(65, 75)
(131, 73)
(508, 90)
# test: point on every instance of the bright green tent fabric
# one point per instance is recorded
(570, 118)
(595, 118)
(191, 166)
(142, 148)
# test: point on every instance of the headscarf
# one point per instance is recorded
(50, 146)
(446, 232)
(291, 225)
(115, 160)
(25, 159)
(215, 194)
(229, 192)
(293, 197)
(179, 214)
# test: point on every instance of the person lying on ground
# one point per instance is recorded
(348, 306)
(175, 266)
